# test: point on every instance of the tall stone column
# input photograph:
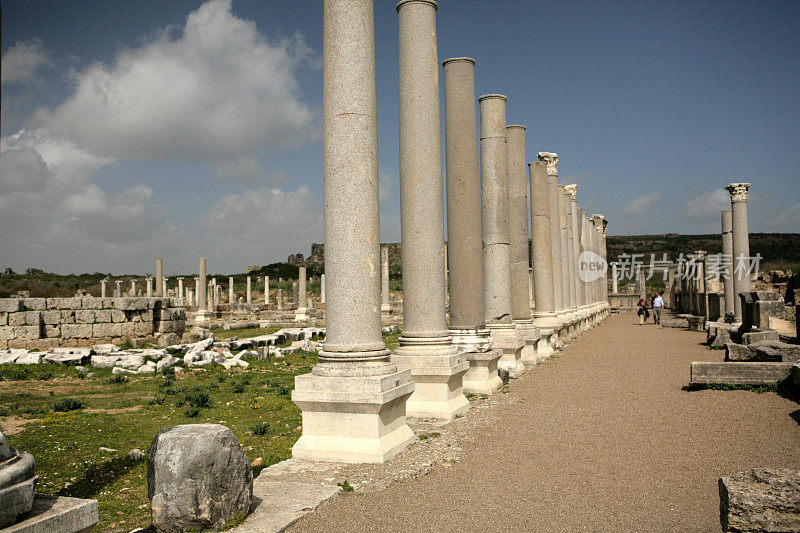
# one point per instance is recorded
(266, 290)
(562, 217)
(159, 277)
(279, 302)
(202, 316)
(353, 401)
(544, 314)
(196, 294)
(301, 313)
(133, 287)
(180, 292)
(295, 289)
(555, 227)
(614, 280)
(386, 306)
(231, 293)
(741, 245)
(727, 252)
(103, 288)
(571, 264)
(496, 238)
(601, 224)
(518, 237)
(426, 347)
(249, 291)
(465, 251)
(149, 286)
(118, 289)
(164, 288)
(322, 289)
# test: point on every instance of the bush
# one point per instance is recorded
(198, 399)
(168, 372)
(283, 390)
(68, 404)
(44, 376)
(118, 378)
(191, 412)
(238, 388)
(260, 429)
(158, 400)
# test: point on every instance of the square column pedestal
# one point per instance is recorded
(353, 419)
(438, 374)
(482, 376)
(529, 334)
(544, 347)
(301, 314)
(549, 328)
(507, 340)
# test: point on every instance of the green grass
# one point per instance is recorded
(426, 436)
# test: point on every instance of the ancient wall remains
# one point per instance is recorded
(41, 323)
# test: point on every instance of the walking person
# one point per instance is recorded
(642, 312)
(658, 305)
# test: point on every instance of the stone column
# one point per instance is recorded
(322, 289)
(353, 401)
(103, 288)
(386, 307)
(741, 245)
(180, 292)
(133, 287)
(189, 296)
(496, 238)
(280, 300)
(555, 227)
(217, 295)
(266, 290)
(518, 238)
(544, 314)
(565, 279)
(231, 294)
(159, 277)
(202, 297)
(464, 247)
(249, 291)
(614, 281)
(426, 347)
(118, 290)
(569, 198)
(301, 313)
(149, 286)
(727, 252)
(164, 288)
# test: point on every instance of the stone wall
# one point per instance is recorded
(623, 300)
(41, 323)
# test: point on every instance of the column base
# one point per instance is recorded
(437, 369)
(544, 347)
(386, 309)
(505, 338)
(203, 316)
(301, 314)
(554, 323)
(482, 377)
(471, 340)
(530, 336)
(353, 419)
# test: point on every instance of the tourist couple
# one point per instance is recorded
(656, 304)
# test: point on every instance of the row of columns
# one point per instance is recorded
(355, 400)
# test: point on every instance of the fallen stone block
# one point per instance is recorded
(738, 352)
(696, 323)
(753, 337)
(8, 357)
(760, 500)
(738, 373)
(198, 478)
(166, 362)
(105, 348)
(147, 368)
(776, 351)
(58, 514)
(68, 356)
(674, 323)
(720, 338)
(119, 370)
(32, 358)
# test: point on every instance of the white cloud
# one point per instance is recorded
(22, 62)
(707, 207)
(787, 220)
(50, 209)
(642, 205)
(579, 179)
(252, 226)
(217, 92)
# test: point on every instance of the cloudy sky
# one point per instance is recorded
(142, 128)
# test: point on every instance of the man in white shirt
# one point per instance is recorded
(658, 305)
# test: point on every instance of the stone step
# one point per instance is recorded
(738, 373)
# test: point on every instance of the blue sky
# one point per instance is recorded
(137, 129)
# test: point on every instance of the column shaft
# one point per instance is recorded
(741, 244)
(159, 277)
(518, 222)
(542, 241)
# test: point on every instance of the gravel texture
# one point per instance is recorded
(601, 437)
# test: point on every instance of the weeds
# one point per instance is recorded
(68, 404)
(262, 428)
(346, 487)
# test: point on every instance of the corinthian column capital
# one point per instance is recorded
(552, 162)
(738, 191)
(572, 191)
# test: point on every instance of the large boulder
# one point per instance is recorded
(198, 478)
(760, 500)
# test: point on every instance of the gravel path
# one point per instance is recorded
(600, 438)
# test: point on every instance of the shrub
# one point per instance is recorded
(198, 399)
(346, 487)
(283, 390)
(118, 378)
(44, 376)
(68, 404)
(191, 412)
(168, 372)
(158, 400)
(260, 429)
(238, 388)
